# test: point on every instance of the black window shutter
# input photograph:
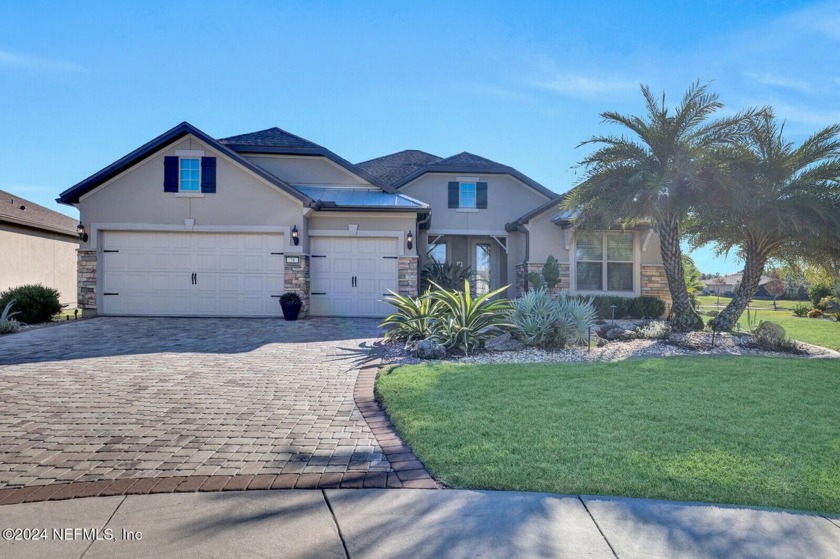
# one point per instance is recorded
(481, 195)
(454, 194)
(170, 173)
(208, 175)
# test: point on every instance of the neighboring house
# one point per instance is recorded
(194, 226)
(726, 284)
(38, 246)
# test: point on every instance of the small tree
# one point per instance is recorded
(775, 288)
(549, 278)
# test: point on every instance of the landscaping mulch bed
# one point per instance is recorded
(677, 344)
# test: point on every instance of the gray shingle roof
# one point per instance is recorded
(33, 215)
(270, 137)
(471, 160)
(466, 162)
(391, 168)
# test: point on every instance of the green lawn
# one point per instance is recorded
(823, 332)
(751, 431)
(710, 302)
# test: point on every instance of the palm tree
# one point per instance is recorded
(654, 175)
(771, 200)
(693, 285)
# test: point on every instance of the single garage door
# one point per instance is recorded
(192, 274)
(350, 276)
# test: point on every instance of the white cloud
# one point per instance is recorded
(823, 19)
(28, 62)
(576, 85)
(780, 81)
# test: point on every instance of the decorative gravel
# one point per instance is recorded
(692, 343)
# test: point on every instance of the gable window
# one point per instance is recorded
(468, 194)
(189, 174)
(604, 261)
(438, 251)
(467, 197)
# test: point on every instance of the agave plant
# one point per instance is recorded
(463, 320)
(538, 320)
(580, 316)
(413, 319)
(445, 275)
(7, 323)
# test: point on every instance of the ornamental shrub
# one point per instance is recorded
(817, 292)
(33, 303)
(801, 310)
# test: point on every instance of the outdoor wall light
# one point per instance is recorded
(409, 239)
(83, 236)
(295, 236)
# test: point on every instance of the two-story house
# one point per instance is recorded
(188, 225)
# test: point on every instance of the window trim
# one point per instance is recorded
(604, 262)
(181, 159)
(474, 185)
(445, 250)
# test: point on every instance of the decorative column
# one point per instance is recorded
(408, 275)
(86, 281)
(655, 283)
(296, 278)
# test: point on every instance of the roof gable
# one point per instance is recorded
(466, 162)
(270, 137)
(278, 141)
(72, 194)
(14, 209)
(395, 166)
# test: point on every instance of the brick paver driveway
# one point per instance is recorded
(114, 398)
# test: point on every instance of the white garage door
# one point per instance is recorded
(351, 275)
(192, 274)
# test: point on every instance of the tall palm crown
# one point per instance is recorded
(770, 199)
(654, 173)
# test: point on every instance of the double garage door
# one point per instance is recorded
(192, 274)
(240, 274)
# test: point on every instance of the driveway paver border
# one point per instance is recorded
(406, 470)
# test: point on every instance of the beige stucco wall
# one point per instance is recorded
(547, 239)
(137, 197)
(31, 256)
(507, 200)
(388, 224)
(306, 170)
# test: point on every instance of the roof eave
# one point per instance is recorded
(72, 194)
(313, 152)
(501, 170)
(38, 226)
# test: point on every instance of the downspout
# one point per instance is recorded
(520, 228)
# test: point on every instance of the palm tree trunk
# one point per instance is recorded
(683, 316)
(754, 261)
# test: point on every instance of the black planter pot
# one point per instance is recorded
(291, 310)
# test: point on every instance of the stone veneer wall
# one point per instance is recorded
(296, 280)
(86, 280)
(565, 284)
(408, 275)
(655, 282)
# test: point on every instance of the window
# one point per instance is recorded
(189, 175)
(438, 251)
(467, 197)
(482, 268)
(604, 261)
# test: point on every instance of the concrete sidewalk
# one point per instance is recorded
(409, 523)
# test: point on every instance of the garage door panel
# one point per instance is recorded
(346, 258)
(152, 272)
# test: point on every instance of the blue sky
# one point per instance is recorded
(82, 84)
